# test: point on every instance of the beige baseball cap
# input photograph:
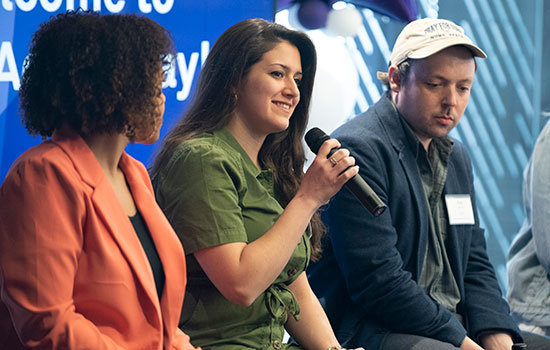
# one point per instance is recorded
(424, 37)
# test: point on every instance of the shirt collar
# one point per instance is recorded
(224, 135)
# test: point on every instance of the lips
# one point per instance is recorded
(283, 105)
(445, 120)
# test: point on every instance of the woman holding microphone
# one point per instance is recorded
(230, 179)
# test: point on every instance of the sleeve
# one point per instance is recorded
(366, 250)
(540, 197)
(484, 306)
(199, 194)
(41, 218)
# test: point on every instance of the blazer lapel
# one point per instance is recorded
(109, 209)
(118, 224)
(390, 120)
(392, 124)
(413, 176)
(166, 241)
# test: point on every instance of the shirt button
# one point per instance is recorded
(292, 272)
(277, 345)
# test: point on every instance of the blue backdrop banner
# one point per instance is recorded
(194, 24)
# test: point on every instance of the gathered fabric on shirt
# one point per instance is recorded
(214, 194)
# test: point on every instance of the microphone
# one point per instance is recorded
(314, 139)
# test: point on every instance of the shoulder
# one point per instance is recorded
(543, 140)
(459, 154)
(204, 148)
(368, 127)
(44, 175)
(42, 161)
(367, 137)
(204, 158)
(360, 129)
(460, 165)
(540, 158)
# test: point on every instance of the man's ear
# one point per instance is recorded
(394, 79)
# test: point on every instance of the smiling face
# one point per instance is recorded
(436, 92)
(269, 94)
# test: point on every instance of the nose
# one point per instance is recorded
(291, 89)
(450, 98)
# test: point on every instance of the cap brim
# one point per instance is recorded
(438, 46)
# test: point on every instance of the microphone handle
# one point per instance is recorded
(366, 195)
(363, 192)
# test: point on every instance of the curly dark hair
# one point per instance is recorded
(226, 67)
(94, 73)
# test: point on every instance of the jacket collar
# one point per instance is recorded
(390, 119)
(392, 123)
(84, 160)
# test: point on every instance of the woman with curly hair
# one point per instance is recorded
(84, 248)
(230, 179)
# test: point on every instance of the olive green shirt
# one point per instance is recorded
(212, 193)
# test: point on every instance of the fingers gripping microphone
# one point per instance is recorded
(314, 139)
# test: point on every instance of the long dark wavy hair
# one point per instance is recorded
(226, 67)
(94, 73)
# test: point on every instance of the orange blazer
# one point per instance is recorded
(73, 273)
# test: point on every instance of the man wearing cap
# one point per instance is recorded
(418, 275)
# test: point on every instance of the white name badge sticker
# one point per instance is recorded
(459, 209)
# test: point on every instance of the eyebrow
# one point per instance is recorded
(285, 67)
(439, 77)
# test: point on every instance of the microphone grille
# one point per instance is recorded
(315, 138)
